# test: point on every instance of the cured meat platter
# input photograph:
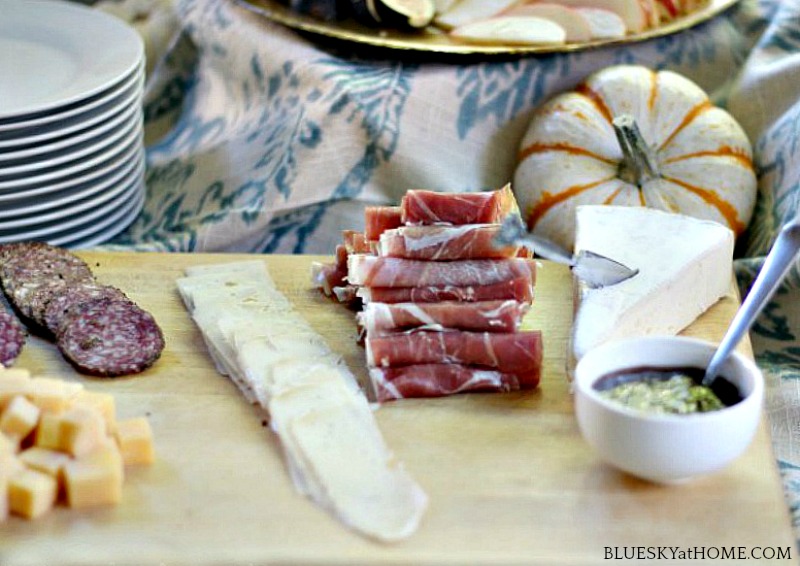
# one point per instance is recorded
(510, 479)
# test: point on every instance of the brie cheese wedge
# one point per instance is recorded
(685, 265)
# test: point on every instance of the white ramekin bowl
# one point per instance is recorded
(665, 448)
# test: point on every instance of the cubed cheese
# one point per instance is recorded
(48, 433)
(3, 497)
(81, 430)
(135, 440)
(685, 266)
(8, 373)
(50, 394)
(19, 417)
(45, 460)
(11, 387)
(31, 493)
(102, 402)
(95, 479)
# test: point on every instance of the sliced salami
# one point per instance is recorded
(31, 271)
(60, 306)
(110, 337)
(12, 338)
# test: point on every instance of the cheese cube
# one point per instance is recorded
(48, 433)
(8, 446)
(9, 373)
(95, 479)
(52, 395)
(31, 493)
(3, 497)
(45, 460)
(101, 402)
(81, 430)
(11, 387)
(135, 440)
(19, 417)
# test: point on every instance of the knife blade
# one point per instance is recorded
(594, 269)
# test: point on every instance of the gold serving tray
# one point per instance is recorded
(432, 40)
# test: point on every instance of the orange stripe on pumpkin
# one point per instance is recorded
(725, 208)
(596, 100)
(563, 147)
(690, 116)
(651, 102)
(613, 196)
(549, 200)
(738, 154)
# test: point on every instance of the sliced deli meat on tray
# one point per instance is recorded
(49, 287)
(444, 243)
(429, 207)
(12, 338)
(110, 337)
(71, 298)
(519, 289)
(372, 271)
(442, 306)
(378, 219)
(508, 352)
(439, 380)
(489, 316)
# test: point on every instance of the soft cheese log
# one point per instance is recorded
(685, 266)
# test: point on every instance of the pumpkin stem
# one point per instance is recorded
(639, 162)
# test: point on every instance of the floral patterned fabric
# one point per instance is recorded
(263, 140)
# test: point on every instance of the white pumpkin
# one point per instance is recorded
(681, 153)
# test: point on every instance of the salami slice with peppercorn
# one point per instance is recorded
(110, 337)
(98, 329)
(12, 338)
(71, 299)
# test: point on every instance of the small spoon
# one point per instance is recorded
(777, 264)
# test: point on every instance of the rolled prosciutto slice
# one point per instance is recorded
(356, 242)
(519, 289)
(372, 271)
(429, 207)
(327, 276)
(444, 243)
(378, 219)
(438, 380)
(380, 319)
(520, 352)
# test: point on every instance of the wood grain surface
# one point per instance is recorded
(510, 479)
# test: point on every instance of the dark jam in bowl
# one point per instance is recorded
(675, 390)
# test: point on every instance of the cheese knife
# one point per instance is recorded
(594, 269)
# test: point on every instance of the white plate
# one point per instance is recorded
(75, 206)
(75, 227)
(92, 239)
(76, 116)
(103, 230)
(23, 179)
(21, 168)
(59, 53)
(62, 144)
(92, 175)
(36, 204)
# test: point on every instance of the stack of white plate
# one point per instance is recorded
(71, 143)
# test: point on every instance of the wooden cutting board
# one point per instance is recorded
(510, 479)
